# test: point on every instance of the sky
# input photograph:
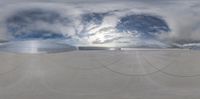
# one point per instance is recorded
(180, 21)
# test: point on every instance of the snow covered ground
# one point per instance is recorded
(99, 49)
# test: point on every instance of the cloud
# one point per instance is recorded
(182, 17)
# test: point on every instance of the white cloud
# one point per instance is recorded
(182, 16)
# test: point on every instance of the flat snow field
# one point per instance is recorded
(129, 74)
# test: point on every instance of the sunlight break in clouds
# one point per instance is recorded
(130, 24)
